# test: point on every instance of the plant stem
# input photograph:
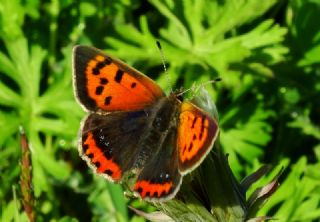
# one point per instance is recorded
(26, 178)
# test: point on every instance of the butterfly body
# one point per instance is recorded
(133, 127)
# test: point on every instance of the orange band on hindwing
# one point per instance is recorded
(153, 190)
(100, 158)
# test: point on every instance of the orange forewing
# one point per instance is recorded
(104, 83)
(197, 132)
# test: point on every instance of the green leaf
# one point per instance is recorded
(9, 124)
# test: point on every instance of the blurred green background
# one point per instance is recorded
(266, 52)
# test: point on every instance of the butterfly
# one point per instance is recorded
(132, 127)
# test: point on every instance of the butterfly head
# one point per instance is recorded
(177, 94)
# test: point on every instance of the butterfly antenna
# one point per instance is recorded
(164, 64)
(196, 88)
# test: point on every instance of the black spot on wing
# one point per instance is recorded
(95, 71)
(99, 90)
(190, 147)
(103, 81)
(85, 147)
(184, 149)
(194, 122)
(107, 100)
(118, 76)
(97, 164)
(100, 65)
(109, 172)
(90, 155)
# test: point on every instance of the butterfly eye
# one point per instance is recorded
(180, 98)
(157, 123)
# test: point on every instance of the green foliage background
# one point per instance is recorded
(266, 52)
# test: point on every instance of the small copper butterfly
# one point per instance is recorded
(132, 127)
